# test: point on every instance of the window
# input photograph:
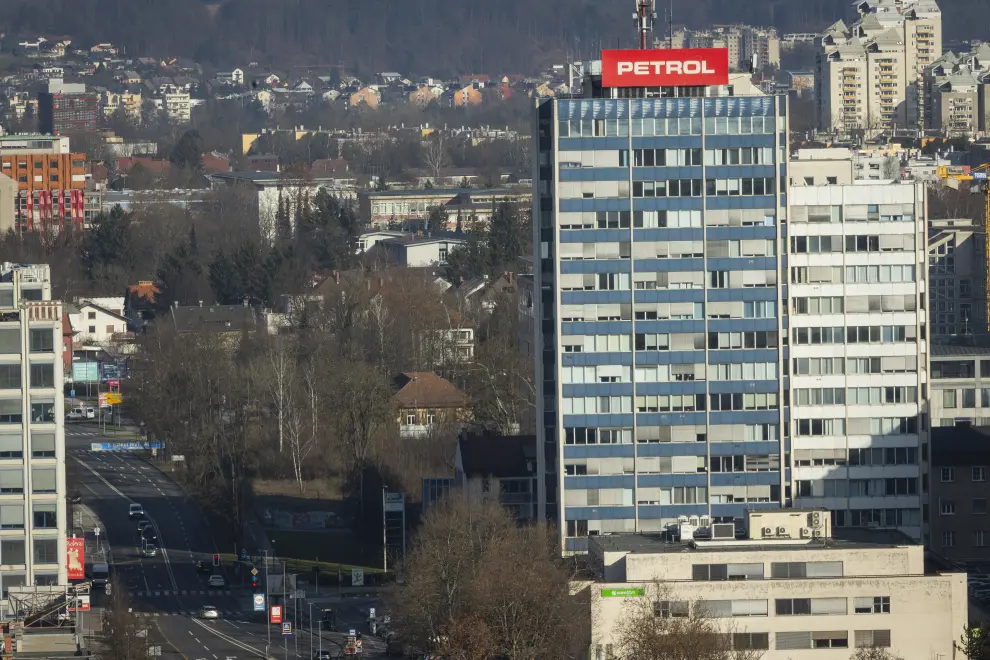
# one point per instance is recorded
(979, 474)
(42, 445)
(947, 507)
(810, 569)
(42, 375)
(949, 399)
(12, 516)
(91, 316)
(948, 475)
(42, 341)
(42, 411)
(10, 376)
(46, 551)
(750, 641)
(872, 639)
(799, 606)
(948, 539)
(838, 639)
(11, 481)
(979, 506)
(672, 609)
(979, 538)
(45, 515)
(10, 411)
(12, 553)
(43, 480)
(872, 605)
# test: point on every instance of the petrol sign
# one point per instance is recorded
(686, 67)
(276, 614)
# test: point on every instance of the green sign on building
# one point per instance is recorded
(622, 593)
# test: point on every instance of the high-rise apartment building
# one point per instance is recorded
(743, 42)
(66, 107)
(858, 356)
(869, 75)
(955, 92)
(32, 434)
(657, 233)
(50, 180)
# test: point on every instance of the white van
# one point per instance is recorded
(80, 412)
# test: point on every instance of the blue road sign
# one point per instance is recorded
(259, 602)
(287, 628)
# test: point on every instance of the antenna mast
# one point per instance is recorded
(644, 17)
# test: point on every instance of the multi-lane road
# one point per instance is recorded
(166, 591)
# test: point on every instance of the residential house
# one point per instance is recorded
(104, 49)
(215, 162)
(498, 468)
(422, 96)
(425, 401)
(366, 96)
(417, 251)
(129, 77)
(483, 293)
(140, 302)
(388, 77)
(474, 79)
(960, 458)
(130, 102)
(222, 319)
(265, 80)
(235, 77)
(94, 324)
(461, 98)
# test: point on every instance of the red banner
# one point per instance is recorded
(75, 558)
(61, 206)
(687, 67)
(276, 616)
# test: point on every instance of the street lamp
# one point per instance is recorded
(384, 533)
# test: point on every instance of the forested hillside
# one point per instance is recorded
(417, 36)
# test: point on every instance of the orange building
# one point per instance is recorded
(50, 180)
(469, 95)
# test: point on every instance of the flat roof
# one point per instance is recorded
(843, 539)
(446, 192)
(262, 177)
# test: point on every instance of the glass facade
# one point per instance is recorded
(658, 233)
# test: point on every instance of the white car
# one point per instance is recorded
(216, 581)
(209, 612)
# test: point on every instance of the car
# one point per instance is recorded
(150, 550)
(209, 612)
(216, 581)
(204, 568)
(80, 412)
(135, 510)
(321, 655)
(144, 522)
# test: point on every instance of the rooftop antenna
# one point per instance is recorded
(644, 17)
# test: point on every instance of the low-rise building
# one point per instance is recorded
(417, 251)
(425, 401)
(94, 324)
(221, 319)
(498, 468)
(380, 208)
(788, 589)
(957, 376)
(177, 106)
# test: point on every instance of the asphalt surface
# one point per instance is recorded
(167, 592)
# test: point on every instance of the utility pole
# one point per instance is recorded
(311, 628)
(284, 576)
(268, 605)
(384, 533)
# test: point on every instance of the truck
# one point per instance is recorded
(99, 574)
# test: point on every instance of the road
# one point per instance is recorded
(166, 590)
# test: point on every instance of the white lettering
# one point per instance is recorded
(668, 67)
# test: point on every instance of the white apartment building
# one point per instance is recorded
(130, 102)
(858, 351)
(955, 92)
(742, 41)
(869, 75)
(176, 103)
(32, 435)
(788, 588)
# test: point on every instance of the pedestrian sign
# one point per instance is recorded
(259, 602)
(357, 577)
(287, 628)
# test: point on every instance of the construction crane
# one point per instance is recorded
(981, 175)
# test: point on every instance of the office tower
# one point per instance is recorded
(50, 181)
(870, 75)
(66, 107)
(32, 433)
(657, 235)
(858, 363)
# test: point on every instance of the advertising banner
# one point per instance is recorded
(75, 559)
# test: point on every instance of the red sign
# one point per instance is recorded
(75, 558)
(276, 614)
(81, 604)
(688, 67)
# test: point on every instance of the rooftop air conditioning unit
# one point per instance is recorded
(767, 531)
(816, 519)
(781, 531)
(723, 531)
(817, 534)
(805, 533)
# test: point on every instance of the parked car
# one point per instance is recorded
(135, 510)
(216, 581)
(81, 412)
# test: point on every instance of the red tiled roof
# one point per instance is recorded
(153, 165)
(424, 389)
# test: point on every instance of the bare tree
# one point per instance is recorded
(890, 168)
(661, 627)
(281, 373)
(124, 638)
(435, 153)
(477, 586)
(380, 322)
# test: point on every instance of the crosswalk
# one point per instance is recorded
(181, 592)
(76, 433)
(230, 615)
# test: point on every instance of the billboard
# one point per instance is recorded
(275, 614)
(85, 372)
(75, 558)
(685, 67)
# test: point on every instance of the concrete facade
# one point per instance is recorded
(791, 598)
(956, 252)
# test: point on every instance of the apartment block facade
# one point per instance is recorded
(657, 306)
(956, 92)
(32, 434)
(958, 303)
(51, 181)
(67, 108)
(858, 363)
(744, 43)
(870, 74)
